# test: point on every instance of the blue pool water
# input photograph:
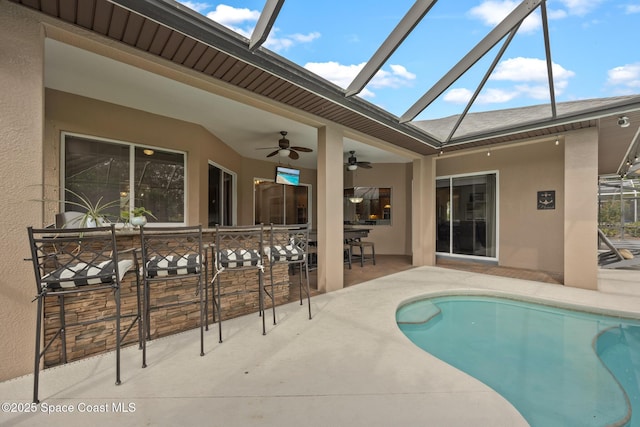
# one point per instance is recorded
(557, 367)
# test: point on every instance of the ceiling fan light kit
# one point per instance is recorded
(353, 163)
(284, 149)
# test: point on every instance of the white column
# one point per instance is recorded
(423, 224)
(330, 215)
(581, 209)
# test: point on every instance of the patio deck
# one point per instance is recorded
(350, 365)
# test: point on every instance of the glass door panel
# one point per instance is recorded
(466, 215)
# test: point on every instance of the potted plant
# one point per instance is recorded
(138, 216)
(94, 214)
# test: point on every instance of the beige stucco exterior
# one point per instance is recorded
(560, 240)
(528, 237)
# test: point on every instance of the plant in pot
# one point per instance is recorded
(93, 214)
(138, 216)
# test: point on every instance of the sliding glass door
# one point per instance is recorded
(466, 215)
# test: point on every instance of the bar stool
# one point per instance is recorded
(347, 254)
(240, 248)
(168, 254)
(81, 264)
(362, 245)
(289, 244)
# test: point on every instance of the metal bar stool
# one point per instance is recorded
(239, 248)
(362, 245)
(168, 254)
(289, 244)
(78, 263)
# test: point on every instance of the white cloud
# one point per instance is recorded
(279, 44)
(626, 77)
(343, 75)
(458, 95)
(198, 7)
(581, 7)
(231, 16)
(632, 8)
(492, 12)
(243, 21)
(529, 69)
(487, 96)
(528, 76)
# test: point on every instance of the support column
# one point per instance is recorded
(330, 211)
(21, 163)
(581, 209)
(423, 222)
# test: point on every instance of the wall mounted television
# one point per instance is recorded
(287, 176)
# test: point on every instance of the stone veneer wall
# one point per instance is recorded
(91, 339)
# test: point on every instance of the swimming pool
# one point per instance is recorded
(558, 367)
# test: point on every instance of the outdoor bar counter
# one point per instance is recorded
(87, 340)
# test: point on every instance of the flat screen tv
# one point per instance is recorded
(287, 176)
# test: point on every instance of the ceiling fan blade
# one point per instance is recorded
(273, 154)
(267, 148)
(302, 149)
(365, 165)
(293, 155)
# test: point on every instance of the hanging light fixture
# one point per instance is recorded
(284, 152)
(355, 199)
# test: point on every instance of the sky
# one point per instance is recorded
(594, 48)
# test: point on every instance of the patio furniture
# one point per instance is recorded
(362, 245)
(172, 254)
(347, 255)
(289, 244)
(78, 264)
(617, 256)
(69, 219)
(239, 248)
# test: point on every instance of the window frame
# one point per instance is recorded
(132, 147)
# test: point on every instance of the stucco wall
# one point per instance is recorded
(528, 237)
(21, 119)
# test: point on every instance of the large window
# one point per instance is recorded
(281, 203)
(466, 215)
(221, 196)
(367, 205)
(125, 176)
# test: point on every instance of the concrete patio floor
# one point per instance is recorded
(348, 366)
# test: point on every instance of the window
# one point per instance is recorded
(221, 196)
(281, 203)
(367, 205)
(132, 175)
(466, 215)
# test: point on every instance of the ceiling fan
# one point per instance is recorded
(353, 163)
(284, 149)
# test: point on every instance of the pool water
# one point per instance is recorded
(557, 367)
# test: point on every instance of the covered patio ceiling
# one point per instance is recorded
(171, 32)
